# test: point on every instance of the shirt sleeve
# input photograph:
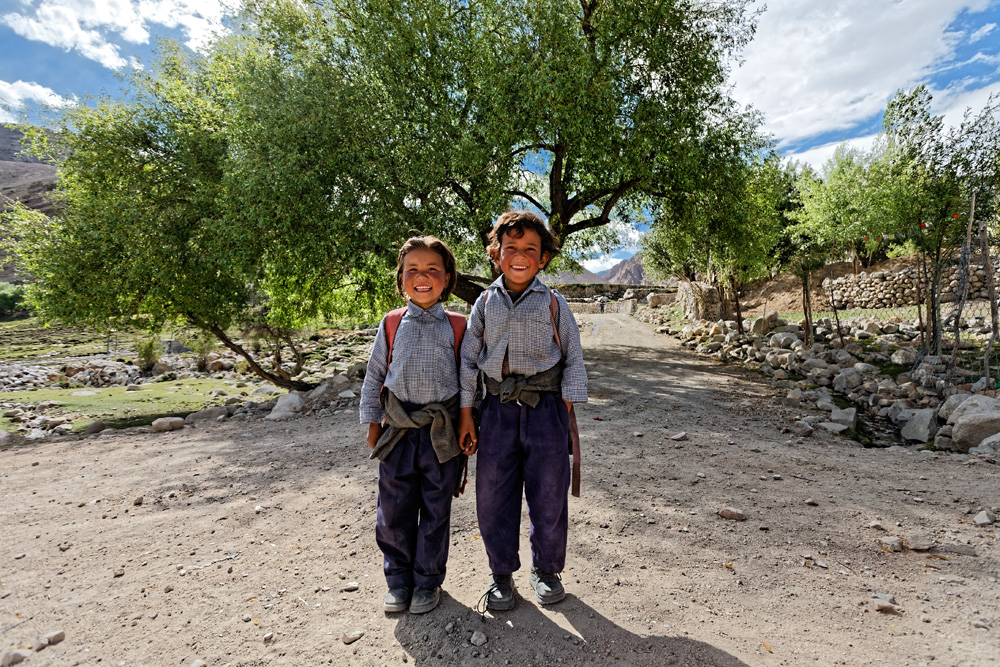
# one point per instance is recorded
(371, 408)
(472, 346)
(574, 381)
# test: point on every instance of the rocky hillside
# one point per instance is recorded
(627, 272)
(22, 178)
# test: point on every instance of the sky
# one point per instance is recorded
(821, 71)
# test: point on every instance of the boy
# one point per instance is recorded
(525, 343)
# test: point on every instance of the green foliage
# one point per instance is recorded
(147, 352)
(11, 299)
(904, 249)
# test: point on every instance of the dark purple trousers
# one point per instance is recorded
(523, 449)
(413, 520)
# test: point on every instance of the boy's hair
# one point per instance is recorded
(513, 223)
(438, 246)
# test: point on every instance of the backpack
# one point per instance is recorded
(458, 323)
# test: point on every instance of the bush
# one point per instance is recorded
(11, 299)
(202, 345)
(147, 352)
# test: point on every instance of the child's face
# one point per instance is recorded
(424, 277)
(521, 257)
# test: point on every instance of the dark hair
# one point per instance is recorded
(513, 223)
(438, 246)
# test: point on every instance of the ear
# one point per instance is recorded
(545, 260)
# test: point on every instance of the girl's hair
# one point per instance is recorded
(438, 246)
(513, 223)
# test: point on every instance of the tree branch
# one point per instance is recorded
(532, 200)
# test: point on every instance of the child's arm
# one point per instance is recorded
(371, 407)
(574, 382)
(468, 372)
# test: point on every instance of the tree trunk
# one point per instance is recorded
(276, 380)
(739, 311)
(807, 306)
(469, 287)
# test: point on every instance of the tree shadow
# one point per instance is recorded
(571, 632)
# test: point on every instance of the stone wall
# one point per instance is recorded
(890, 289)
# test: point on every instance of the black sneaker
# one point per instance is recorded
(500, 595)
(548, 587)
(397, 599)
(425, 599)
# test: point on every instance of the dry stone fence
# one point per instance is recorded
(892, 289)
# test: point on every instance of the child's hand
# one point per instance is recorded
(569, 406)
(467, 432)
(374, 433)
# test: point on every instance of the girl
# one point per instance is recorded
(410, 402)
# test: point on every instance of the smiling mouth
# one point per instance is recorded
(422, 289)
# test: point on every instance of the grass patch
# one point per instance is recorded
(27, 339)
(893, 370)
(841, 402)
(118, 408)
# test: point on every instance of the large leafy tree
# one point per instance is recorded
(270, 181)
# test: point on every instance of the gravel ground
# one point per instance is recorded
(253, 543)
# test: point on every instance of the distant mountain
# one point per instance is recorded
(567, 278)
(627, 272)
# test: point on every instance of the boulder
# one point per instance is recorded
(950, 403)
(783, 340)
(904, 356)
(848, 417)
(168, 424)
(974, 427)
(655, 300)
(921, 426)
(288, 406)
(972, 404)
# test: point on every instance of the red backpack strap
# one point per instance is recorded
(392, 320)
(458, 322)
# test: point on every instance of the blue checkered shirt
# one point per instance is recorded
(423, 368)
(522, 332)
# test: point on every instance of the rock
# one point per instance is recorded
(265, 389)
(680, 436)
(801, 428)
(120, 572)
(478, 638)
(920, 542)
(834, 427)
(54, 637)
(957, 548)
(783, 340)
(208, 414)
(732, 514)
(351, 636)
(811, 502)
(168, 424)
(984, 518)
(972, 427)
(134, 387)
(848, 417)
(921, 426)
(952, 402)
(199, 663)
(93, 427)
(326, 392)
(347, 394)
(350, 587)
(905, 356)
(891, 543)
(14, 657)
(976, 403)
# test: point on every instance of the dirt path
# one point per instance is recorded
(271, 521)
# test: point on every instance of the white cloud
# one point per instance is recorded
(99, 30)
(815, 68)
(982, 32)
(14, 95)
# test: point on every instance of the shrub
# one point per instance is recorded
(147, 352)
(202, 345)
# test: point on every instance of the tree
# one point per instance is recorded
(149, 230)
(590, 112)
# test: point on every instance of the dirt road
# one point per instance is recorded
(252, 543)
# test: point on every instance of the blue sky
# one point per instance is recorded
(821, 71)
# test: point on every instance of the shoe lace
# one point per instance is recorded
(483, 605)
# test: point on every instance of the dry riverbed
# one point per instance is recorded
(252, 544)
